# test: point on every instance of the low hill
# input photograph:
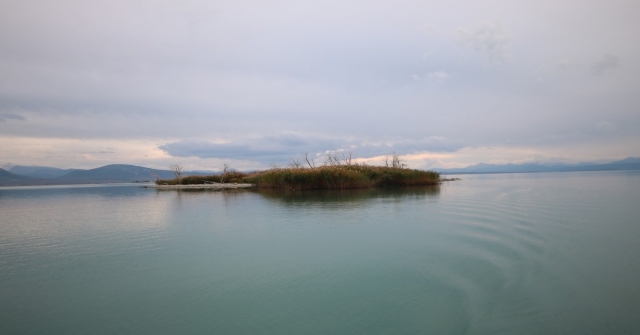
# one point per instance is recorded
(115, 173)
(39, 171)
(11, 179)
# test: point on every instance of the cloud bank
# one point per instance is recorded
(282, 147)
(263, 81)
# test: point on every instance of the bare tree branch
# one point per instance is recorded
(309, 161)
(225, 167)
(347, 157)
(295, 163)
(332, 158)
(177, 171)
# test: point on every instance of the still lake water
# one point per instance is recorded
(549, 253)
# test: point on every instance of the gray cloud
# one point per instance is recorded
(603, 127)
(606, 63)
(280, 148)
(6, 117)
(270, 148)
(407, 146)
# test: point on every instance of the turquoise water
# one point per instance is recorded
(551, 253)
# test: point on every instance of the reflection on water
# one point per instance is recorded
(60, 211)
(529, 253)
(310, 197)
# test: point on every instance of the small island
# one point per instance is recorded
(336, 175)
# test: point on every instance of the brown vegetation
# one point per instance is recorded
(341, 177)
(338, 172)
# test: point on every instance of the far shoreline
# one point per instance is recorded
(208, 186)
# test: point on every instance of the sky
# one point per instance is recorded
(253, 84)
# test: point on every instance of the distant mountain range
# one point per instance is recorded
(39, 171)
(8, 178)
(115, 173)
(121, 173)
(625, 164)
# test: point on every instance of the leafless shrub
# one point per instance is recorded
(396, 161)
(347, 157)
(225, 167)
(295, 163)
(177, 171)
(334, 158)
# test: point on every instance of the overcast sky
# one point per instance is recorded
(254, 83)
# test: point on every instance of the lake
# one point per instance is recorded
(548, 253)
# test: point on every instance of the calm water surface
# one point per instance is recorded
(553, 253)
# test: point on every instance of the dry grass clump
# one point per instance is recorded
(227, 177)
(323, 177)
(341, 177)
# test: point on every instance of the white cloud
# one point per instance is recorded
(489, 37)
(438, 76)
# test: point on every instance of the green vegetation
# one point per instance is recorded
(323, 177)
